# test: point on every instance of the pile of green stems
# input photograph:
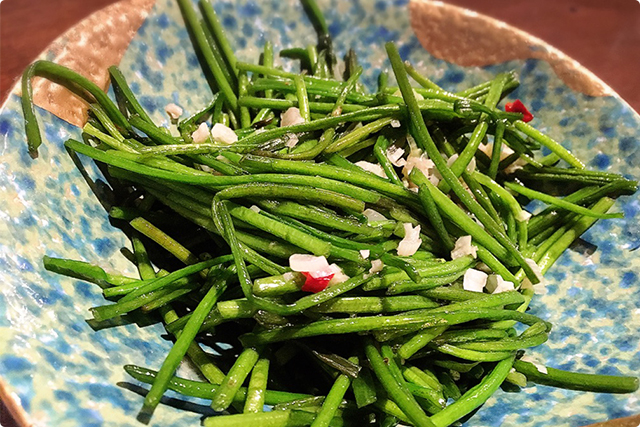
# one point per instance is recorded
(402, 345)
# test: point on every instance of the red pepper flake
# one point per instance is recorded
(518, 107)
(316, 284)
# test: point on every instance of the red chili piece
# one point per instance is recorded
(316, 284)
(518, 107)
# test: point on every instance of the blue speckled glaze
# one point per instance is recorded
(65, 374)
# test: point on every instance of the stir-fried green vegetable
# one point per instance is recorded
(365, 255)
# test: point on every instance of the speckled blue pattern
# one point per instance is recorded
(65, 374)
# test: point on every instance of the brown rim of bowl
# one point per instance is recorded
(12, 403)
(90, 47)
(467, 38)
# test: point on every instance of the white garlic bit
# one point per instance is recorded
(338, 275)
(373, 216)
(523, 216)
(372, 167)
(515, 166)
(308, 263)
(364, 253)
(223, 134)
(541, 368)
(471, 166)
(411, 242)
(535, 361)
(474, 280)
(496, 284)
(394, 154)
(463, 247)
(292, 140)
(173, 111)
(376, 266)
(201, 134)
(291, 117)
(487, 149)
(424, 164)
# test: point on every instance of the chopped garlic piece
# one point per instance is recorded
(338, 275)
(223, 134)
(394, 154)
(173, 111)
(255, 208)
(487, 149)
(364, 253)
(395, 123)
(291, 117)
(201, 134)
(463, 247)
(470, 167)
(535, 361)
(496, 284)
(376, 266)
(523, 216)
(372, 167)
(423, 164)
(411, 242)
(541, 368)
(505, 152)
(292, 140)
(515, 166)
(373, 215)
(308, 263)
(413, 145)
(474, 280)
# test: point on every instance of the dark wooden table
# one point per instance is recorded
(602, 35)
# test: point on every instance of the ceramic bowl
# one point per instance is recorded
(65, 374)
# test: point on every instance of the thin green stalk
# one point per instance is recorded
(369, 323)
(333, 400)
(560, 203)
(181, 346)
(223, 396)
(476, 396)
(73, 81)
(380, 151)
(552, 145)
(303, 98)
(577, 381)
(257, 387)
(217, 30)
(358, 134)
(399, 394)
(200, 37)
